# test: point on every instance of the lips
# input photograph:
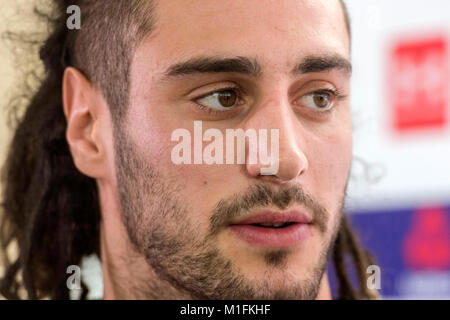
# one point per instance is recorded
(274, 229)
(271, 217)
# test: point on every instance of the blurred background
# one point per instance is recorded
(399, 193)
(399, 190)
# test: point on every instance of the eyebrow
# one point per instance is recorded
(241, 65)
(248, 66)
(325, 63)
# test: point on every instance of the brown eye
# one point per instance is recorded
(220, 100)
(322, 101)
(227, 98)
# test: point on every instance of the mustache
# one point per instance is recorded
(262, 195)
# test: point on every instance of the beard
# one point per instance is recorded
(161, 230)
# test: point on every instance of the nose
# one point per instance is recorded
(286, 153)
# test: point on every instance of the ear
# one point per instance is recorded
(84, 112)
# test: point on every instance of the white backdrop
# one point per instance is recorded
(412, 168)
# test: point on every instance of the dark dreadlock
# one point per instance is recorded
(51, 210)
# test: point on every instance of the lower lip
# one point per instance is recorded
(272, 237)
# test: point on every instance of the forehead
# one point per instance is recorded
(274, 32)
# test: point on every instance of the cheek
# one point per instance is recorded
(198, 187)
(329, 166)
(152, 134)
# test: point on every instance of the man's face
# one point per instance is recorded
(190, 221)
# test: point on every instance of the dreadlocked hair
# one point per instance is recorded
(50, 211)
(347, 246)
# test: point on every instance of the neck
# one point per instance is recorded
(324, 289)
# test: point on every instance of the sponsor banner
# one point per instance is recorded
(412, 249)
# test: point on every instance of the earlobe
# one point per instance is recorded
(83, 121)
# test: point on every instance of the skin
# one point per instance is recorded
(315, 148)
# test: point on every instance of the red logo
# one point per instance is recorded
(419, 84)
(427, 244)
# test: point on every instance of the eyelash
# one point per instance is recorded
(211, 111)
(336, 93)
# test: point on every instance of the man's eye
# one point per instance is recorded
(321, 100)
(220, 100)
